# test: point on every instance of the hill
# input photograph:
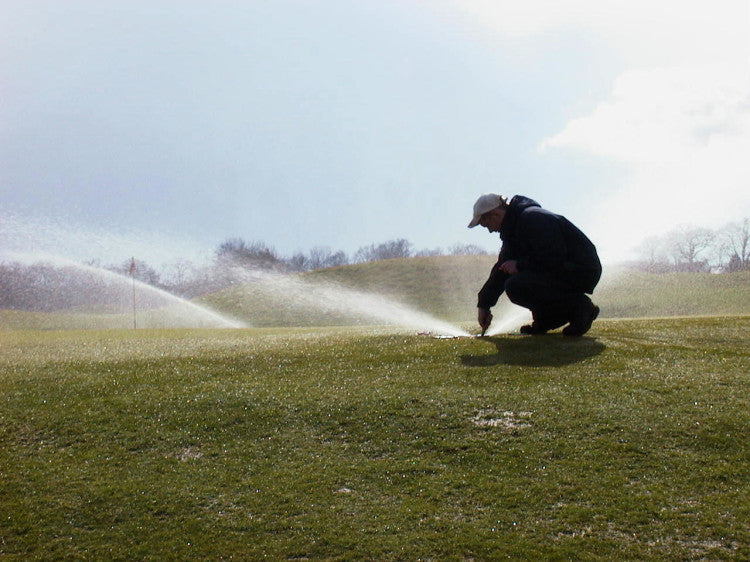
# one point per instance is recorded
(446, 287)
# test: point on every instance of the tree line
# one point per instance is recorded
(259, 254)
(697, 249)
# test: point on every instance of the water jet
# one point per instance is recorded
(334, 300)
(85, 292)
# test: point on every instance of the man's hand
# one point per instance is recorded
(510, 267)
(484, 317)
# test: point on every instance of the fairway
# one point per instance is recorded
(360, 443)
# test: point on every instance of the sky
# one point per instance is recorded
(162, 128)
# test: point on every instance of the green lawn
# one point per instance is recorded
(355, 443)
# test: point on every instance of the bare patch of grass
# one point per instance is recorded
(505, 420)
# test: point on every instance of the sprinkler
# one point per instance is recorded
(448, 336)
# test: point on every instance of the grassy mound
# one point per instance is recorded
(350, 444)
(444, 287)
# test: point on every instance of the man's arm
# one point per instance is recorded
(493, 287)
(484, 317)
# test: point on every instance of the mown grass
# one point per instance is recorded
(628, 293)
(359, 444)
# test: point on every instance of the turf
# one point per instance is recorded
(363, 444)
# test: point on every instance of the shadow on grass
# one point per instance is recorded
(536, 351)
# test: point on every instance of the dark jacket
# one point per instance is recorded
(545, 243)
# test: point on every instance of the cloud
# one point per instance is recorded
(664, 115)
(684, 133)
(677, 119)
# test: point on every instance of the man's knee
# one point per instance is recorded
(529, 289)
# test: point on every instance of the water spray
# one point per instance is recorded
(511, 317)
(327, 296)
(132, 276)
(160, 300)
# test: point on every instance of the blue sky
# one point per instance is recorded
(161, 128)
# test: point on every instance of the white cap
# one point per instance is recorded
(485, 204)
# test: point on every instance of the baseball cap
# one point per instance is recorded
(485, 204)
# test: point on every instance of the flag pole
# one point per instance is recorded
(132, 276)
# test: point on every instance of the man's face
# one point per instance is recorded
(492, 220)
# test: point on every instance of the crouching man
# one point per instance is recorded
(546, 264)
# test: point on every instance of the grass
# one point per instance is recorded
(363, 444)
(628, 293)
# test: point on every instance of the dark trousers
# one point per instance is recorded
(551, 299)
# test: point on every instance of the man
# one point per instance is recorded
(546, 264)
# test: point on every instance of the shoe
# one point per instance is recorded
(533, 330)
(544, 319)
(581, 320)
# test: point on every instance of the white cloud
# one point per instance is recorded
(664, 115)
(685, 134)
(678, 117)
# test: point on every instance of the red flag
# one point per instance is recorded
(132, 266)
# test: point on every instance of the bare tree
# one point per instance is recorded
(653, 254)
(687, 244)
(400, 248)
(426, 252)
(142, 272)
(322, 257)
(299, 262)
(467, 250)
(736, 239)
(236, 251)
(319, 257)
(179, 274)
